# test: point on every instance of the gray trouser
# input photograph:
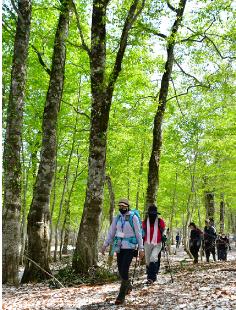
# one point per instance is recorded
(152, 252)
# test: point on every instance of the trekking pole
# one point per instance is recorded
(168, 262)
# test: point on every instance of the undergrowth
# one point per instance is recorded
(68, 277)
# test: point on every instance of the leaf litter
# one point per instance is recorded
(195, 287)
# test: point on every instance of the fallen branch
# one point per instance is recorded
(49, 274)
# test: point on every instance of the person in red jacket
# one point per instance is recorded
(153, 228)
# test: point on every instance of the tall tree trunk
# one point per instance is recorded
(234, 225)
(173, 207)
(111, 212)
(12, 148)
(112, 198)
(153, 171)
(187, 221)
(140, 177)
(128, 177)
(66, 179)
(66, 222)
(64, 248)
(222, 214)
(190, 200)
(210, 205)
(61, 204)
(39, 214)
(53, 204)
(23, 232)
(86, 253)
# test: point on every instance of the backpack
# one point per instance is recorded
(131, 215)
(132, 240)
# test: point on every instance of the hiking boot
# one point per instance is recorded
(152, 271)
(149, 282)
(123, 291)
(129, 288)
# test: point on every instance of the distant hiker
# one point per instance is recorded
(212, 223)
(153, 228)
(209, 240)
(125, 234)
(222, 245)
(177, 240)
(195, 241)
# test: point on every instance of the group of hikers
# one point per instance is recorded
(130, 237)
(209, 240)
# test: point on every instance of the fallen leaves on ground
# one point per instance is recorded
(195, 287)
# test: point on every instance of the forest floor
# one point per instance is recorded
(195, 287)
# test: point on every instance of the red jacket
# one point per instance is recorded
(161, 225)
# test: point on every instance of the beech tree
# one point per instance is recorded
(37, 265)
(86, 254)
(153, 171)
(12, 148)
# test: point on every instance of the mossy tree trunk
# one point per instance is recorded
(86, 252)
(210, 204)
(12, 148)
(39, 214)
(222, 214)
(153, 171)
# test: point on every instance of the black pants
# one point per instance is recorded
(153, 269)
(222, 253)
(210, 249)
(194, 249)
(124, 259)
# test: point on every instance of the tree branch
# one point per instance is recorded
(205, 36)
(75, 45)
(78, 111)
(217, 50)
(49, 274)
(176, 96)
(11, 31)
(183, 94)
(189, 39)
(171, 6)
(84, 45)
(153, 31)
(41, 61)
(190, 75)
(17, 11)
(130, 19)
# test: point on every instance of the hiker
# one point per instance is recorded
(125, 233)
(209, 240)
(212, 223)
(177, 240)
(195, 241)
(222, 245)
(153, 228)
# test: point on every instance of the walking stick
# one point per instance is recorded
(167, 258)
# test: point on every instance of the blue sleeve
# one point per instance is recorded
(138, 232)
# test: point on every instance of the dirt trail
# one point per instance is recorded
(205, 286)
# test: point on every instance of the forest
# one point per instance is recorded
(107, 99)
